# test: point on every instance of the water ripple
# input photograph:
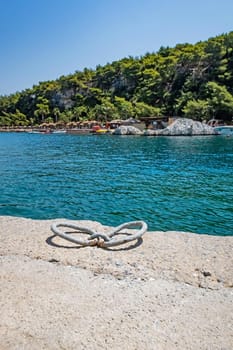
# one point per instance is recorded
(179, 183)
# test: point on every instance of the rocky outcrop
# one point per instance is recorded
(64, 99)
(127, 130)
(180, 127)
(150, 132)
(183, 127)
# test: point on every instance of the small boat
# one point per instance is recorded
(39, 132)
(226, 130)
(34, 132)
(59, 131)
(101, 131)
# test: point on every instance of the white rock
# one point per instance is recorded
(186, 127)
(127, 130)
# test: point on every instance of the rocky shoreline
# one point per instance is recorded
(171, 290)
(180, 127)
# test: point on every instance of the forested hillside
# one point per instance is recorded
(194, 81)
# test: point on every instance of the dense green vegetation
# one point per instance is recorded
(195, 81)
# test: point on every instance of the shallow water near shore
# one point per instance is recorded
(172, 183)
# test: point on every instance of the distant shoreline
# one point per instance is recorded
(177, 127)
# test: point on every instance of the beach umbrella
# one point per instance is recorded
(44, 125)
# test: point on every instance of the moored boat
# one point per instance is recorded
(224, 130)
(62, 131)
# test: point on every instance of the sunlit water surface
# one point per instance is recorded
(172, 183)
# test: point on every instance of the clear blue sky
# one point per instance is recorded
(44, 39)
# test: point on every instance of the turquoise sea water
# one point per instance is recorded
(173, 183)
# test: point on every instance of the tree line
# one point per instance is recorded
(189, 80)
